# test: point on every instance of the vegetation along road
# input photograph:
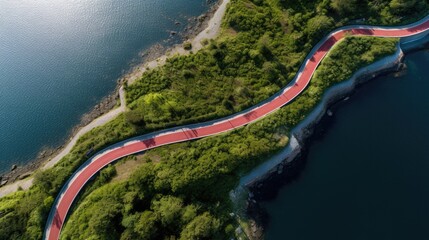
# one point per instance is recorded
(71, 189)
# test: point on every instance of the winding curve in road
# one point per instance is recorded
(76, 182)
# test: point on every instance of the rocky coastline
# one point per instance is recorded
(194, 25)
(264, 182)
(19, 172)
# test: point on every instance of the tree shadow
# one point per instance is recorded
(249, 115)
(362, 31)
(149, 142)
(57, 220)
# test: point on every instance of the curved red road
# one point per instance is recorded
(77, 181)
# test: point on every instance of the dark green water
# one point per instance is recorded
(368, 176)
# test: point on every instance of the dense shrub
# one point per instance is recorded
(185, 195)
(259, 51)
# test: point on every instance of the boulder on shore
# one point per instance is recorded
(14, 166)
(3, 182)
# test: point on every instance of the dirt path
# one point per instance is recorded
(26, 183)
(210, 32)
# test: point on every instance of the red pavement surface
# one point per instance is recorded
(64, 202)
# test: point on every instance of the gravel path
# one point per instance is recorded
(26, 183)
(210, 32)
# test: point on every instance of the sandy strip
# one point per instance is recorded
(210, 32)
(26, 183)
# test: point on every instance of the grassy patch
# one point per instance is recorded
(262, 46)
(199, 174)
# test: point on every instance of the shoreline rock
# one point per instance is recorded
(108, 103)
(19, 172)
(293, 158)
(157, 54)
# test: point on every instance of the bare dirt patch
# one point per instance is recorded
(126, 167)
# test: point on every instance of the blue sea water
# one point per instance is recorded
(59, 58)
(368, 176)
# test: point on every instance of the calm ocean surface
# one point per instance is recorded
(59, 58)
(368, 176)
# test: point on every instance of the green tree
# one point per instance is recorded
(189, 213)
(168, 210)
(146, 225)
(402, 7)
(343, 7)
(203, 226)
(318, 26)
